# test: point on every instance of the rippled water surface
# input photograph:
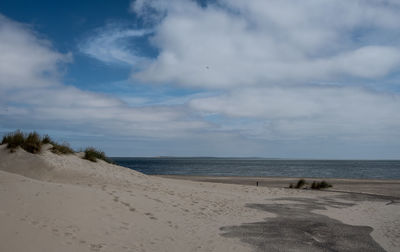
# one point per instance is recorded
(381, 169)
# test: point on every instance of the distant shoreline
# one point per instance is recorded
(256, 158)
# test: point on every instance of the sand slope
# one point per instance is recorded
(65, 203)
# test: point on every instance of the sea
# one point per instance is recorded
(362, 169)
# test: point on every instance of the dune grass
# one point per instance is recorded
(47, 139)
(320, 185)
(93, 154)
(302, 184)
(61, 148)
(13, 139)
(32, 142)
(57, 148)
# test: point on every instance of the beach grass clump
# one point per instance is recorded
(30, 142)
(320, 185)
(61, 149)
(92, 154)
(14, 140)
(47, 140)
(316, 185)
(300, 184)
(33, 142)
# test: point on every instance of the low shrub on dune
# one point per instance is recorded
(57, 148)
(61, 148)
(32, 143)
(320, 185)
(47, 140)
(302, 184)
(93, 154)
(14, 140)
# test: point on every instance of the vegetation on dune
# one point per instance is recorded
(320, 185)
(32, 142)
(14, 140)
(302, 184)
(93, 154)
(61, 148)
(47, 140)
(57, 148)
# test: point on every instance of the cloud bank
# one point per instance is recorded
(275, 60)
(33, 95)
(247, 43)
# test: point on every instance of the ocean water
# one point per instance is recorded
(373, 169)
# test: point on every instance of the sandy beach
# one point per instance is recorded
(65, 203)
(384, 187)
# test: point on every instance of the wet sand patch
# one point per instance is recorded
(297, 228)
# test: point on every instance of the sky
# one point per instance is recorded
(225, 78)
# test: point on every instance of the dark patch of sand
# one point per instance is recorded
(297, 228)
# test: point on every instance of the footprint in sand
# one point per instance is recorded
(151, 216)
(125, 204)
(68, 234)
(170, 224)
(96, 247)
(55, 231)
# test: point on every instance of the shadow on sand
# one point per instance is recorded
(297, 228)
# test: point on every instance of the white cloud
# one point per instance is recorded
(309, 111)
(111, 45)
(243, 43)
(26, 59)
(33, 96)
(271, 59)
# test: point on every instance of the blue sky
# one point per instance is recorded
(205, 78)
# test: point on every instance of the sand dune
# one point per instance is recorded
(65, 203)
